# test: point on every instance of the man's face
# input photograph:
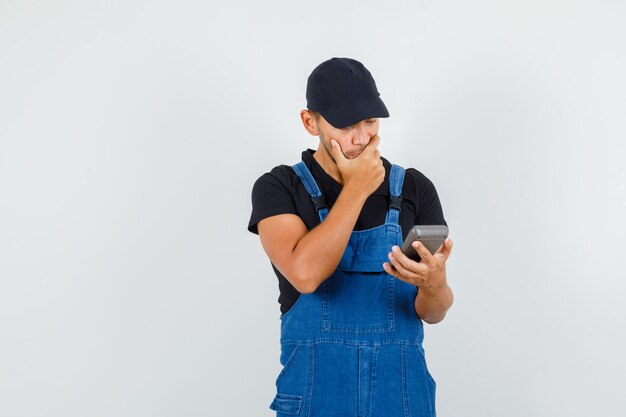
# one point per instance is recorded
(352, 139)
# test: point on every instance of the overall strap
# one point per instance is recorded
(316, 195)
(396, 179)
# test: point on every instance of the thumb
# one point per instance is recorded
(336, 151)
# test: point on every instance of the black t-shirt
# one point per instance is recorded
(281, 191)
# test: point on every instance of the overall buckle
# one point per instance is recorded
(319, 202)
(395, 202)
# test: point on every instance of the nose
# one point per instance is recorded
(361, 137)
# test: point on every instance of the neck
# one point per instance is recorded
(323, 158)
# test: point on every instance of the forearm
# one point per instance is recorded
(431, 304)
(318, 253)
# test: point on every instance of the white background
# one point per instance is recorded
(131, 133)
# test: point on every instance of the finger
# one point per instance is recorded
(390, 270)
(445, 249)
(400, 270)
(373, 144)
(423, 252)
(336, 151)
(407, 262)
(403, 264)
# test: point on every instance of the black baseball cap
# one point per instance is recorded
(343, 91)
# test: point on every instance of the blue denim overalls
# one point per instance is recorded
(353, 348)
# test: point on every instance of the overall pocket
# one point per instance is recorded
(294, 382)
(287, 404)
(358, 302)
(359, 296)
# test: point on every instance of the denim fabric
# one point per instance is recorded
(353, 348)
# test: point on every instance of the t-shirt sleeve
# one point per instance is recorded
(270, 197)
(429, 210)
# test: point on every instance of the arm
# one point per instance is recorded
(307, 258)
(433, 305)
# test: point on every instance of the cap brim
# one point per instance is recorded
(351, 113)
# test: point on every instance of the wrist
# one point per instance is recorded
(434, 291)
(354, 194)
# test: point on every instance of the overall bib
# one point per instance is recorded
(353, 348)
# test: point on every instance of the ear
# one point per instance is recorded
(309, 122)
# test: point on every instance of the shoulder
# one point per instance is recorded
(417, 180)
(424, 194)
(272, 194)
(281, 178)
(420, 194)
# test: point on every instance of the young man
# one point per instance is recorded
(352, 303)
